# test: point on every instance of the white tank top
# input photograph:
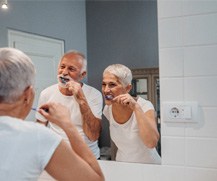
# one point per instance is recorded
(126, 138)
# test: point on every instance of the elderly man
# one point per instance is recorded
(28, 148)
(83, 101)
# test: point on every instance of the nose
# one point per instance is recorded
(107, 89)
(65, 71)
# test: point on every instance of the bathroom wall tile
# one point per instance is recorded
(173, 150)
(207, 127)
(169, 173)
(201, 89)
(200, 174)
(171, 89)
(169, 8)
(172, 129)
(200, 60)
(198, 84)
(171, 61)
(170, 32)
(201, 152)
(200, 30)
(191, 7)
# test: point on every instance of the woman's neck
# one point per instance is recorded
(11, 110)
(121, 113)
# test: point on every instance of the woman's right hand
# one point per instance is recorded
(126, 100)
(56, 113)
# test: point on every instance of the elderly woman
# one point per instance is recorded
(133, 127)
(28, 148)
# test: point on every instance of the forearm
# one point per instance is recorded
(147, 127)
(81, 148)
(60, 115)
(91, 124)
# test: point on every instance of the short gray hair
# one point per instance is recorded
(83, 59)
(122, 72)
(17, 72)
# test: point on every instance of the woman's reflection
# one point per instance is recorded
(133, 127)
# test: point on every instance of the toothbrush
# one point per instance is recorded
(109, 97)
(34, 109)
(63, 80)
(39, 116)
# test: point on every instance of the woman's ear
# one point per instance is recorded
(128, 88)
(28, 93)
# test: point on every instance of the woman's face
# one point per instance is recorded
(111, 87)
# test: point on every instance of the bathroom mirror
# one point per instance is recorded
(106, 31)
(120, 32)
(146, 84)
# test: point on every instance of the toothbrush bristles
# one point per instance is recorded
(109, 97)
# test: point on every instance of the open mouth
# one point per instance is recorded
(109, 97)
(64, 80)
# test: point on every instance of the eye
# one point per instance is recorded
(103, 84)
(62, 66)
(111, 85)
(72, 69)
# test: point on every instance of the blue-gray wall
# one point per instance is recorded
(64, 20)
(120, 32)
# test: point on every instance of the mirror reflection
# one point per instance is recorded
(132, 122)
(146, 84)
(107, 32)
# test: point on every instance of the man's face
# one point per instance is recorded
(70, 68)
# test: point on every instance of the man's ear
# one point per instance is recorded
(83, 74)
(28, 94)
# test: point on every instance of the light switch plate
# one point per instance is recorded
(180, 112)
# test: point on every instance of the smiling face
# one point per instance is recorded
(70, 68)
(112, 87)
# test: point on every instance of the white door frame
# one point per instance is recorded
(45, 53)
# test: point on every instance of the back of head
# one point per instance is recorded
(17, 72)
(122, 72)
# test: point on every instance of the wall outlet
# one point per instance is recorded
(174, 112)
(180, 111)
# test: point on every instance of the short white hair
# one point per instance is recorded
(17, 72)
(122, 72)
(83, 59)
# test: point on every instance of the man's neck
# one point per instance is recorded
(65, 91)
